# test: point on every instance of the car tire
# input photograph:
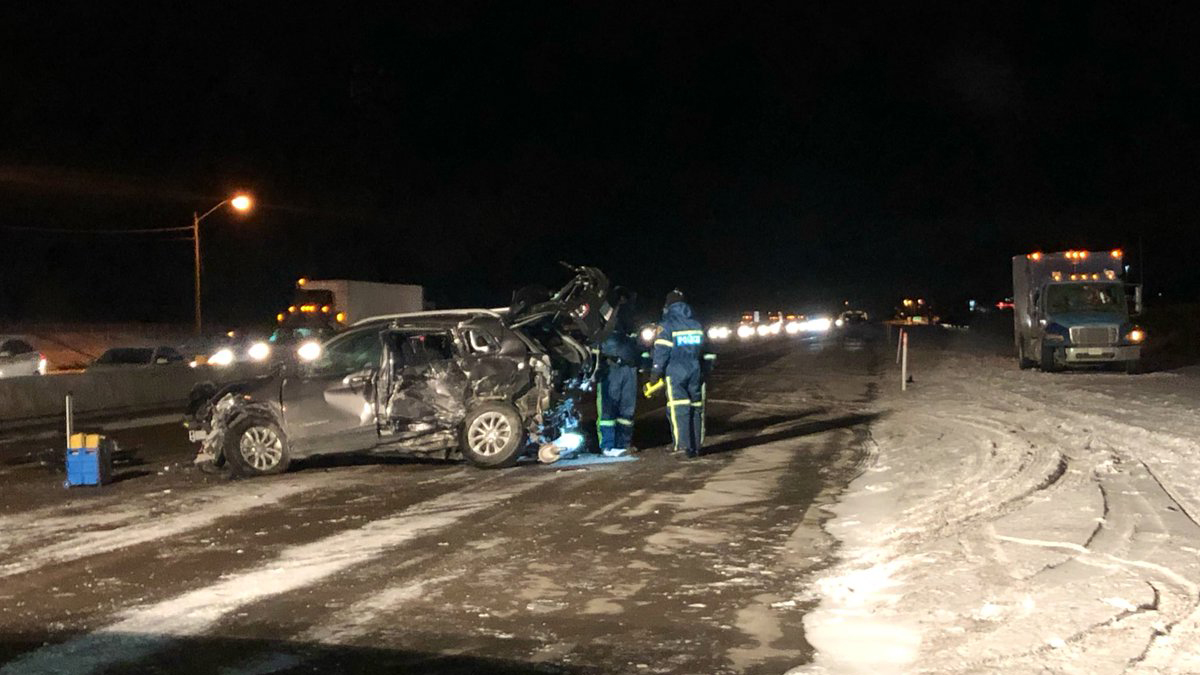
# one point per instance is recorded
(256, 446)
(1048, 365)
(1023, 362)
(1133, 367)
(492, 436)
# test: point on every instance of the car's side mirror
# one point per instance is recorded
(1134, 299)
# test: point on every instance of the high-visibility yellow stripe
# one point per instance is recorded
(621, 420)
(687, 332)
(671, 414)
(680, 402)
(664, 343)
(599, 411)
(606, 423)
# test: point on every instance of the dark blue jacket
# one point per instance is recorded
(679, 344)
(620, 347)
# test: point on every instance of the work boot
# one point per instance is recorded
(615, 452)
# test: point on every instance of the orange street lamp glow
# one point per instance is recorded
(241, 203)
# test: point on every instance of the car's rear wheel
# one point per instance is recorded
(493, 436)
(256, 446)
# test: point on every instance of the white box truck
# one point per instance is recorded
(322, 306)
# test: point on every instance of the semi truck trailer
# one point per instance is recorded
(328, 305)
(1074, 309)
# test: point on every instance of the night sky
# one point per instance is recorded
(756, 156)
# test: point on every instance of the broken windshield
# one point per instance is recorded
(1104, 298)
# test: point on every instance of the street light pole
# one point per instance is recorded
(196, 246)
(239, 203)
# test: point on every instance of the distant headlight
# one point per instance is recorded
(763, 330)
(745, 331)
(647, 335)
(718, 333)
(309, 351)
(839, 322)
(1137, 335)
(793, 327)
(821, 325)
(222, 357)
(259, 351)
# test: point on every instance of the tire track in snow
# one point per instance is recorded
(147, 630)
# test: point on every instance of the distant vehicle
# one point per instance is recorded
(324, 306)
(490, 385)
(747, 326)
(1073, 308)
(851, 317)
(19, 359)
(129, 357)
(916, 311)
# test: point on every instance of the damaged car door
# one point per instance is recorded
(330, 406)
(427, 385)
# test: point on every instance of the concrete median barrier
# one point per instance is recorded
(32, 401)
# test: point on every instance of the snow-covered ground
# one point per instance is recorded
(1015, 521)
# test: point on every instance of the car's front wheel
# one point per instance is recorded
(493, 436)
(256, 446)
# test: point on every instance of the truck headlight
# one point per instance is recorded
(222, 357)
(309, 351)
(1136, 335)
(259, 351)
(745, 331)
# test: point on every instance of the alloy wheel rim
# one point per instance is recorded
(489, 433)
(262, 448)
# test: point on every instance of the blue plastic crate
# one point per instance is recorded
(91, 463)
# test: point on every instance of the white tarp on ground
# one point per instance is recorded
(1015, 521)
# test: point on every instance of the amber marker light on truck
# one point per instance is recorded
(1117, 253)
(1137, 335)
(1036, 255)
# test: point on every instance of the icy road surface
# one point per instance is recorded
(647, 566)
(1018, 522)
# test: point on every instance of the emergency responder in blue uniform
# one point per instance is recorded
(678, 353)
(616, 392)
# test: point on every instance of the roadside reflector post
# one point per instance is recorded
(904, 361)
(70, 417)
(899, 342)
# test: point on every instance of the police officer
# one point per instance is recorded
(678, 352)
(616, 392)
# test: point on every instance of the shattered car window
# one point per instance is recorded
(419, 350)
(352, 354)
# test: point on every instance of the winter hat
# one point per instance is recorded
(674, 297)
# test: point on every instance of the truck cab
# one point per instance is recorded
(1073, 308)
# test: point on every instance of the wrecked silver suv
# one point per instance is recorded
(488, 385)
